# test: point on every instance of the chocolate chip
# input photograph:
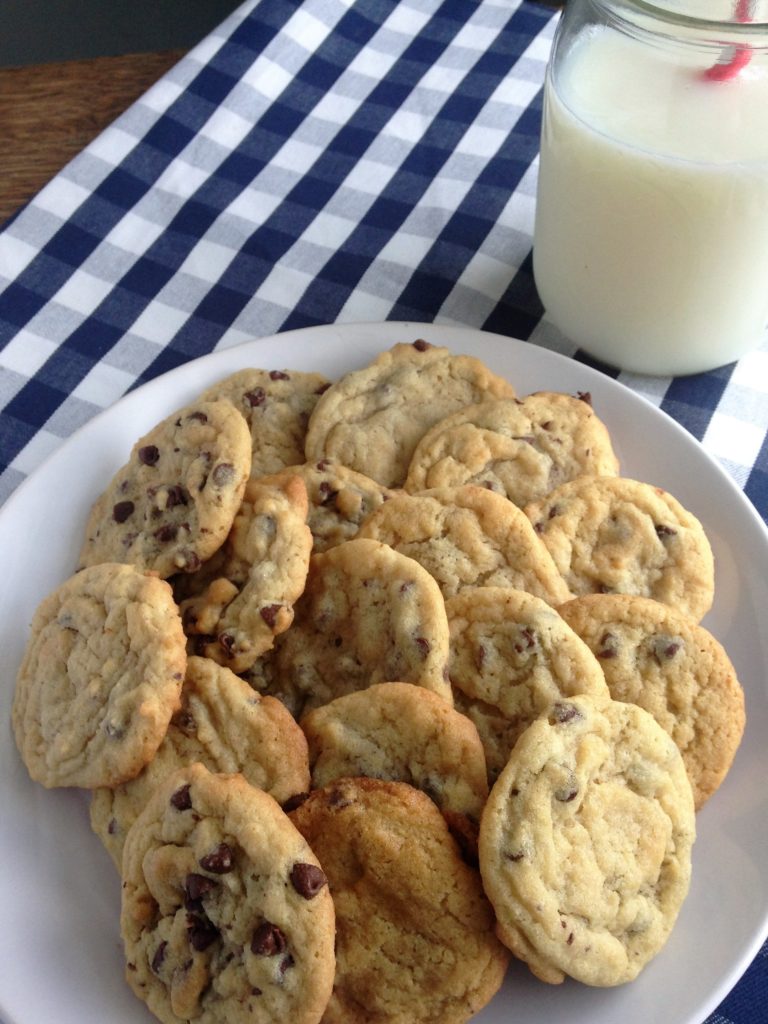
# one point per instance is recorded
(585, 396)
(167, 532)
(664, 531)
(114, 732)
(323, 388)
(565, 794)
(149, 454)
(122, 510)
(219, 861)
(514, 856)
(196, 886)
(182, 799)
(268, 940)
(223, 474)
(423, 645)
(527, 640)
(176, 496)
(112, 827)
(326, 492)
(199, 416)
(201, 932)
(420, 345)
(278, 375)
(184, 720)
(255, 397)
(286, 962)
(665, 648)
(227, 644)
(565, 712)
(307, 880)
(157, 959)
(188, 560)
(269, 614)
(609, 646)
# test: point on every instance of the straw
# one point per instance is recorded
(735, 57)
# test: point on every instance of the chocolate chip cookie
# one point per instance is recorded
(616, 535)
(223, 724)
(468, 536)
(276, 405)
(258, 576)
(172, 505)
(100, 678)
(368, 615)
(371, 419)
(226, 913)
(585, 842)
(657, 657)
(414, 930)
(512, 656)
(521, 448)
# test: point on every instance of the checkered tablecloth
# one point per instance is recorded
(337, 160)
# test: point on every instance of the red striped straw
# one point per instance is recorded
(735, 57)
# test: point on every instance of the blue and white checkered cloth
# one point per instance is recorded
(334, 160)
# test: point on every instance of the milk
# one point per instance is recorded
(651, 238)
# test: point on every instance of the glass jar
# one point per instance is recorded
(651, 237)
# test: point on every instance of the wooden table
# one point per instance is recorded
(49, 112)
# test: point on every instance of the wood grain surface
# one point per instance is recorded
(49, 112)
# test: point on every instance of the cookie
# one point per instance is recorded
(615, 535)
(339, 500)
(100, 678)
(371, 419)
(466, 537)
(521, 448)
(172, 505)
(368, 615)
(414, 930)
(226, 913)
(655, 656)
(403, 733)
(585, 842)
(258, 576)
(227, 727)
(511, 657)
(276, 405)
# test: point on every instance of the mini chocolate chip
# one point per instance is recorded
(167, 532)
(122, 510)
(420, 345)
(157, 959)
(307, 880)
(323, 388)
(115, 732)
(184, 720)
(527, 640)
(547, 424)
(585, 396)
(322, 465)
(188, 560)
(278, 375)
(268, 940)
(565, 712)
(201, 932)
(326, 492)
(255, 397)
(182, 799)
(149, 454)
(569, 940)
(514, 856)
(665, 648)
(112, 827)
(219, 861)
(223, 474)
(199, 416)
(269, 614)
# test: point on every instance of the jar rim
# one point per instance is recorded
(681, 13)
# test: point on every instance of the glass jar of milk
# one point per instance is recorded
(651, 238)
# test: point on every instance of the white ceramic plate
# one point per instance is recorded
(60, 953)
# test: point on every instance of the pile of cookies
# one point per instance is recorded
(377, 682)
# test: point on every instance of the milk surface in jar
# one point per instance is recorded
(651, 238)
